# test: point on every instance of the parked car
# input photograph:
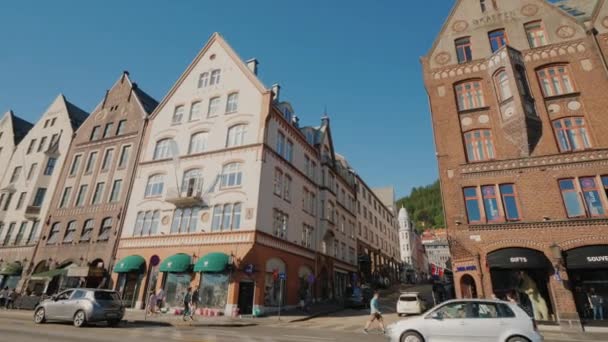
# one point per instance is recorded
(410, 303)
(81, 306)
(359, 299)
(468, 320)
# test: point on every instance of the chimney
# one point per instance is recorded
(276, 90)
(252, 64)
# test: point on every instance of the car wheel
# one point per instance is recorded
(80, 319)
(518, 339)
(113, 323)
(39, 316)
(411, 336)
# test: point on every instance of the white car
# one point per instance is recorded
(410, 303)
(467, 320)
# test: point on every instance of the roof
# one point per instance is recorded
(77, 116)
(20, 127)
(147, 101)
(581, 10)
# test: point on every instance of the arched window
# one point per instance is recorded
(70, 231)
(54, 233)
(178, 115)
(164, 149)
(215, 77)
(185, 220)
(571, 134)
(106, 228)
(469, 95)
(87, 230)
(232, 103)
(198, 142)
(231, 175)
(236, 135)
(556, 80)
(139, 224)
(196, 110)
(192, 182)
(479, 145)
(155, 186)
(501, 80)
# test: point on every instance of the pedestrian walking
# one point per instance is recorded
(152, 302)
(160, 299)
(3, 296)
(10, 300)
(187, 304)
(597, 305)
(195, 302)
(375, 314)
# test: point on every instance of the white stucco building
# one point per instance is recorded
(12, 131)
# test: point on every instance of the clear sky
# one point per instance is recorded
(358, 58)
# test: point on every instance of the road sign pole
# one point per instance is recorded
(280, 296)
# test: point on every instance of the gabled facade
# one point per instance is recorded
(82, 227)
(27, 188)
(517, 99)
(12, 131)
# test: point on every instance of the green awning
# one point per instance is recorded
(212, 262)
(130, 263)
(177, 263)
(49, 274)
(11, 269)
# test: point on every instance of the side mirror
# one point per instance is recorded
(54, 298)
(436, 315)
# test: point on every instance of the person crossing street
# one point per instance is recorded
(375, 314)
(188, 304)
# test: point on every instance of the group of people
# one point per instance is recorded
(7, 298)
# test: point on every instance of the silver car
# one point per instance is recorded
(81, 306)
(468, 320)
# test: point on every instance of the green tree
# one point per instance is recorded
(424, 206)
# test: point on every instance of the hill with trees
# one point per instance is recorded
(424, 206)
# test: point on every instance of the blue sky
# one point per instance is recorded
(358, 58)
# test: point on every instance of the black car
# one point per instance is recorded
(359, 299)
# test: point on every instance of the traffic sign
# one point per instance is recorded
(282, 276)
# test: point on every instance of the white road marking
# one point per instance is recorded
(316, 338)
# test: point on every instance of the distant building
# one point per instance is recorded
(413, 258)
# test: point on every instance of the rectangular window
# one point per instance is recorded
(108, 130)
(232, 103)
(30, 148)
(217, 218)
(32, 170)
(82, 193)
(115, 196)
(124, 156)
(9, 197)
(95, 133)
(70, 231)
(65, 197)
(178, 115)
(214, 107)
(196, 110)
(91, 162)
(469, 95)
(9, 233)
(591, 194)
(536, 34)
(54, 140)
(287, 188)
(42, 143)
(75, 164)
(571, 134)
(33, 236)
(471, 199)
(215, 77)
(463, 50)
(604, 183)
(490, 203)
(122, 124)
(509, 202)
(289, 151)
(479, 145)
(39, 198)
(498, 39)
(98, 194)
(50, 166)
(107, 159)
(572, 199)
(16, 173)
(20, 200)
(555, 80)
(278, 182)
(281, 144)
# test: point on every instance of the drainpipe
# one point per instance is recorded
(593, 32)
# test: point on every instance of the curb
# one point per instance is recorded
(320, 314)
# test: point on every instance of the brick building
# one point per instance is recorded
(517, 95)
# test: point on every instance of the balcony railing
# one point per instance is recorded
(191, 196)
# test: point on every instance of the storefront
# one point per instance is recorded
(275, 293)
(177, 277)
(523, 274)
(10, 275)
(50, 282)
(588, 273)
(130, 271)
(214, 281)
(340, 283)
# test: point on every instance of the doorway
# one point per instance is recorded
(468, 289)
(245, 303)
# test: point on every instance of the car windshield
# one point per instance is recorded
(106, 295)
(408, 299)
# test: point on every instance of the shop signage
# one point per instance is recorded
(249, 269)
(518, 260)
(598, 258)
(501, 17)
(466, 268)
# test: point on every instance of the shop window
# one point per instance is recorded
(469, 95)
(556, 80)
(571, 134)
(479, 145)
(463, 50)
(213, 290)
(274, 287)
(176, 285)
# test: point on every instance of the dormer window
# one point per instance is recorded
(498, 39)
